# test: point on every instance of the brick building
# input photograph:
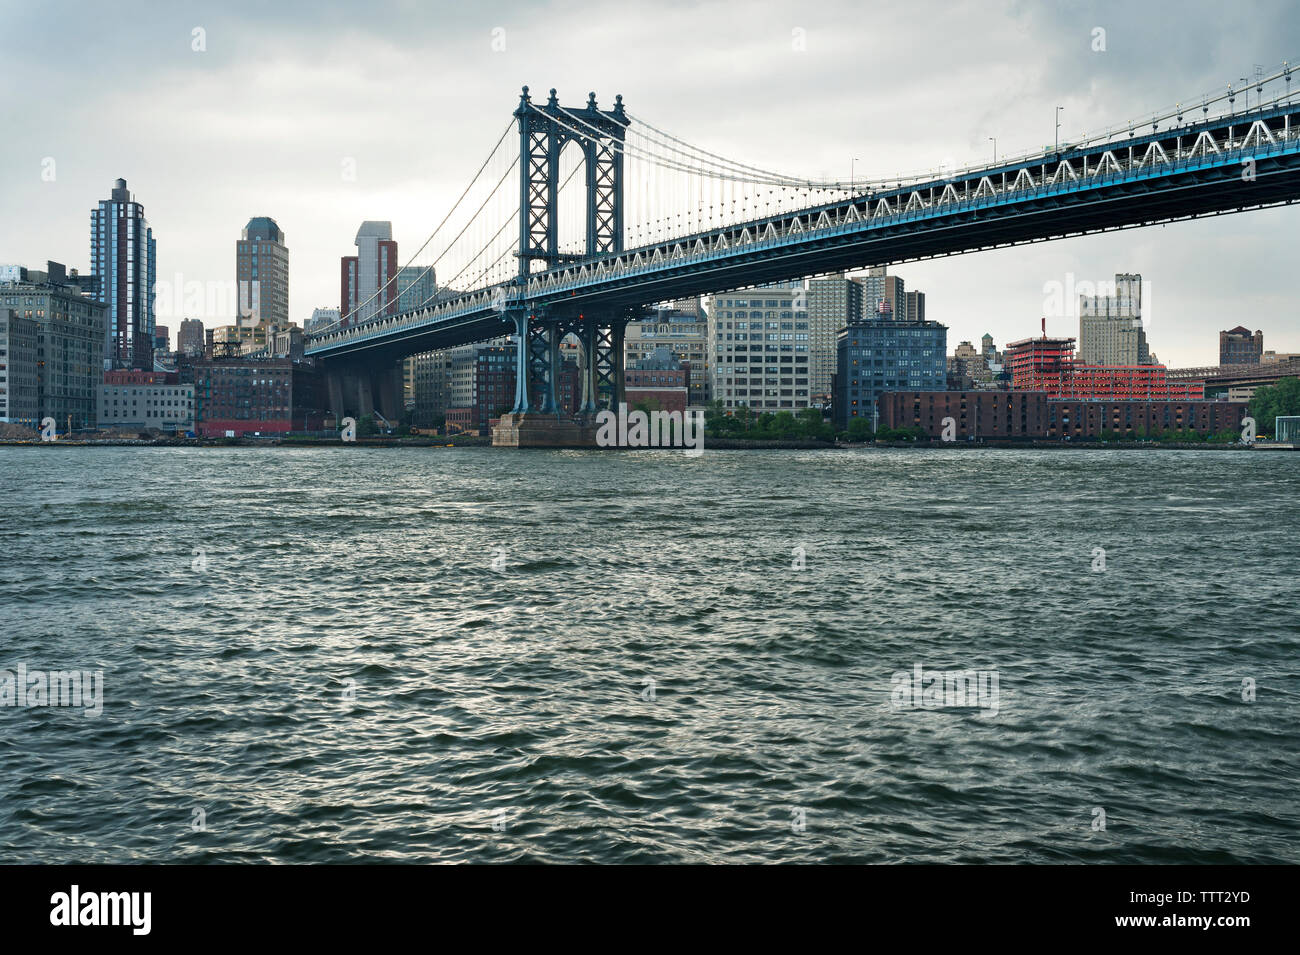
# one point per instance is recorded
(249, 396)
(1029, 415)
(660, 378)
(1049, 365)
(1237, 346)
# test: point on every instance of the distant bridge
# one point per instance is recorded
(1208, 160)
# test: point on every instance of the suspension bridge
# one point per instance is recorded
(539, 253)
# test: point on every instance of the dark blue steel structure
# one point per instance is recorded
(1192, 168)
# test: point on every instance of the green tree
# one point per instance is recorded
(782, 425)
(648, 405)
(859, 429)
(1275, 401)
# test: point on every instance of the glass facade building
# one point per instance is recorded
(124, 267)
(882, 355)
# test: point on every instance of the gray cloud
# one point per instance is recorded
(258, 123)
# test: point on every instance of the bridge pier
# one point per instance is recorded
(590, 381)
(610, 357)
(522, 364)
(334, 383)
(365, 395)
(390, 393)
(543, 350)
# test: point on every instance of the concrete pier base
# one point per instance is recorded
(537, 430)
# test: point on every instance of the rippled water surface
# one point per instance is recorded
(342, 655)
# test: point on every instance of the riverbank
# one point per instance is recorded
(712, 444)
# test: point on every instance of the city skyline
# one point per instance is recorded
(297, 164)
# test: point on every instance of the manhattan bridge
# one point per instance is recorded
(536, 251)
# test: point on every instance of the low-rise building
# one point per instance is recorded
(684, 330)
(1049, 364)
(1034, 415)
(242, 396)
(660, 380)
(134, 400)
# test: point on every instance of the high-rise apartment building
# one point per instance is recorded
(833, 303)
(759, 343)
(124, 270)
(915, 306)
(415, 287)
(1110, 326)
(369, 279)
(879, 286)
(1237, 346)
(262, 271)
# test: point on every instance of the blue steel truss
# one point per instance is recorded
(1235, 163)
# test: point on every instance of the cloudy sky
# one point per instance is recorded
(259, 122)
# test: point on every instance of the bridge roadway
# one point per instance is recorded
(1229, 164)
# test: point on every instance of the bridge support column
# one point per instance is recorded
(365, 394)
(619, 352)
(610, 359)
(390, 393)
(590, 381)
(334, 381)
(522, 364)
(543, 353)
(551, 401)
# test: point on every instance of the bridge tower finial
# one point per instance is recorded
(542, 138)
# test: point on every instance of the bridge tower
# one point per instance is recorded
(544, 131)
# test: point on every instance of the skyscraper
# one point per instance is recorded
(368, 280)
(833, 302)
(1110, 326)
(262, 270)
(124, 267)
(879, 286)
